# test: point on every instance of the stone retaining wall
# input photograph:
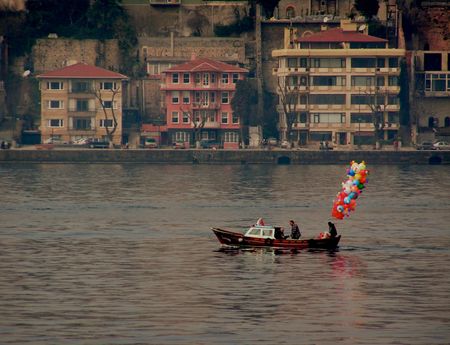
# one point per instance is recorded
(224, 156)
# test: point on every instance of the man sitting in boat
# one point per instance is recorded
(279, 233)
(332, 230)
(295, 231)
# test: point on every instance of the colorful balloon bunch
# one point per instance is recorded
(345, 201)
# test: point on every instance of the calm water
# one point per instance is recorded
(123, 254)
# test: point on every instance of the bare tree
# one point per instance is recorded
(377, 102)
(109, 113)
(198, 121)
(288, 98)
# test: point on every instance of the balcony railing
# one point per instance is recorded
(82, 111)
(83, 90)
(196, 105)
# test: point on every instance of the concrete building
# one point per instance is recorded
(339, 86)
(81, 101)
(198, 98)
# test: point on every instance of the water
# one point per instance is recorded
(123, 254)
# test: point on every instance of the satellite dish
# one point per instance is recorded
(26, 73)
(362, 27)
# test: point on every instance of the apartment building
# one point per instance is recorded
(81, 101)
(338, 85)
(198, 98)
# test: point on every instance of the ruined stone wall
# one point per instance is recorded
(438, 107)
(436, 28)
(50, 54)
(159, 20)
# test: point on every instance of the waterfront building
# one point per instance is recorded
(198, 98)
(81, 101)
(338, 85)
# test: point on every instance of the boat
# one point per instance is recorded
(264, 236)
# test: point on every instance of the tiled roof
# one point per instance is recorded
(339, 35)
(82, 70)
(206, 65)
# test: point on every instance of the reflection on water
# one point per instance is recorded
(123, 254)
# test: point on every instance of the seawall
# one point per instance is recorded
(223, 156)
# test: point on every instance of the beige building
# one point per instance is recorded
(81, 101)
(340, 86)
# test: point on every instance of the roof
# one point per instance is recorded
(206, 65)
(82, 70)
(339, 35)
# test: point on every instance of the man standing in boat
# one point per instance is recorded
(295, 231)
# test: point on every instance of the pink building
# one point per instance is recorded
(198, 102)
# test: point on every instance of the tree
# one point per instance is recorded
(268, 6)
(244, 103)
(289, 95)
(368, 8)
(110, 129)
(196, 21)
(198, 120)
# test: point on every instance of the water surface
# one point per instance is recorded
(123, 254)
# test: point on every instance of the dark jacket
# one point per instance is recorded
(295, 231)
(332, 229)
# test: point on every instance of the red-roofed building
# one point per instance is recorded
(81, 101)
(336, 86)
(198, 97)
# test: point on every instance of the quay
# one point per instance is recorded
(243, 156)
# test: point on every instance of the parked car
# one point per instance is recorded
(285, 144)
(98, 144)
(426, 145)
(441, 145)
(82, 141)
(150, 143)
(272, 141)
(209, 144)
(178, 145)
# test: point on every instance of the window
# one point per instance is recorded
(224, 118)
(363, 63)
(186, 78)
(393, 100)
(380, 81)
(213, 78)
(304, 62)
(186, 97)
(231, 137)
(55, 85)
(82, 105)
(55, 123)
(174, 116)
(180, 136)
(204, 98)
(82, 123)
(292, 62)
(213, 97)
(106, 123)
(255, 232)
(174, 78)
(393, 81)
(185, 117)
(108, 85)
(55, 104)
(328, 63)
(361, 118)
(381, 62)
(197, 98)
(393, 62)
(80, 86)
(328, 117)
(290, 12)
(235, 77)
(328, 81)
(393, 117)
(327, 99)
(225, 97)
(363, 81)
(197, 78)
(235, 119)
(109, 104)
(205, 79)
(224, 78)
(175, 97)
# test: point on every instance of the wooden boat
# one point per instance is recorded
(264, 236)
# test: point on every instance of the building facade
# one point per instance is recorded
(339, 86)
(198, 98)
(81, 101)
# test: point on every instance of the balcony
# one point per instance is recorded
(211, 125)
(80, 111)
(81, 90)
(214, 106)
(165, 2)
(300, 125)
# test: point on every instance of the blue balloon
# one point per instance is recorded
(355, 182)
(352, 195)
(346, 200)
(351, 172)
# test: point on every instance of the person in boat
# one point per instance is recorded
(295, 231)
(332, 230)
(260, 222)
(279, 233)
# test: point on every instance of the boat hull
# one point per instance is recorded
(231, 238)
